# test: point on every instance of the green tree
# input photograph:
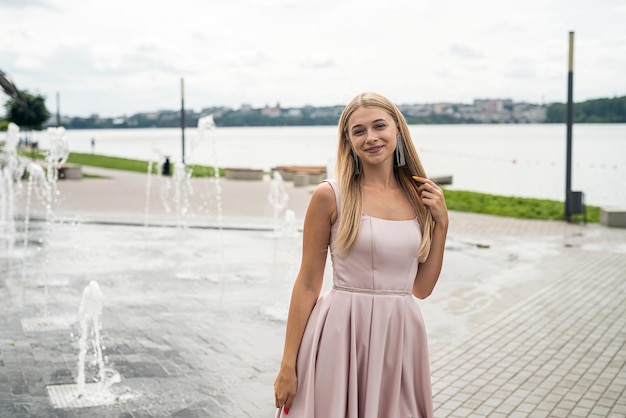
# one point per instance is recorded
(556, 113)
(31, 115)
(606, 110)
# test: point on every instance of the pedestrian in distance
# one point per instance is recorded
(360, 350)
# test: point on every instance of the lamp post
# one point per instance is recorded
(58, 109)
(569, 122)
(182, 115)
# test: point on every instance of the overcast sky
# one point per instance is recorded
(119, 57)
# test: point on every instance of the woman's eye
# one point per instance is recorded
(357, 132)
(380, 125)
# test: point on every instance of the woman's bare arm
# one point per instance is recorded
(428, 272)
(307, 287)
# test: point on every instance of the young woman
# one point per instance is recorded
(360, 351)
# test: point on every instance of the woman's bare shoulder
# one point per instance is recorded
(323, 194)
(323, 200)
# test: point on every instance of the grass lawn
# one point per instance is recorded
(514, 207)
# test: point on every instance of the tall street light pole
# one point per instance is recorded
(58, 110)
(570, 122)
(182, 115)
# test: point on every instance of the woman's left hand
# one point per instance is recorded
(433, 198)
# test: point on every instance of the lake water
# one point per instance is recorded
(512, 160)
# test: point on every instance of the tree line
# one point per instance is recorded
(34, 115)
(611, 110)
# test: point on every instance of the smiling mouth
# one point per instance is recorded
(374, 149)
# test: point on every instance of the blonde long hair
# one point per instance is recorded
(351, 185)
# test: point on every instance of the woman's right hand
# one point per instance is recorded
(285, 387)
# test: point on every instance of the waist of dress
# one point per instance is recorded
(372, 291)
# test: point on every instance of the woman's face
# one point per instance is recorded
(372, 133)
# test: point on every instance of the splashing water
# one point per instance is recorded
(99, 392)
(206, 126)
(36, 180)
(182, 190)
(278, 198)
(290, 227)
(57, 154)
(11, 170)
(89, 314)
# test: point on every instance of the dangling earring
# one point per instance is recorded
(357, 171)
(399, 152)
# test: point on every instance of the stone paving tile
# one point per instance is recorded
(560, 353)
(201, 344)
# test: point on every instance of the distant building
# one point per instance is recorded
(272, 112)
(529, 113)
(493, 105)
(484, 110)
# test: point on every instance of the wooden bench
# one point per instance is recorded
(68, 171)
(243, 173)
(305, 175)
(302, 175)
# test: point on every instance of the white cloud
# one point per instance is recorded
(465, 51)
(318, 62)
(27, 4)
(120, 57)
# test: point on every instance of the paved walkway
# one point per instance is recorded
(558, 351)
(120, 197)
(528, 319)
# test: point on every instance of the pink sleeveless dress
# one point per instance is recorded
(364, 352)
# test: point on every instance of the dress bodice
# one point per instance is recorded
(383, 257)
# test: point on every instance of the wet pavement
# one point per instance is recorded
(528, 317)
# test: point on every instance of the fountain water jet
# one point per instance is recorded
(278, 198)
(11, 171)
(286, 256)
(56, 156)
(206, 126)
(83, 394)
(181, 180)
(36, 179)
(174, 189)
(164, 183)
(89, 314)
(289, 227)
